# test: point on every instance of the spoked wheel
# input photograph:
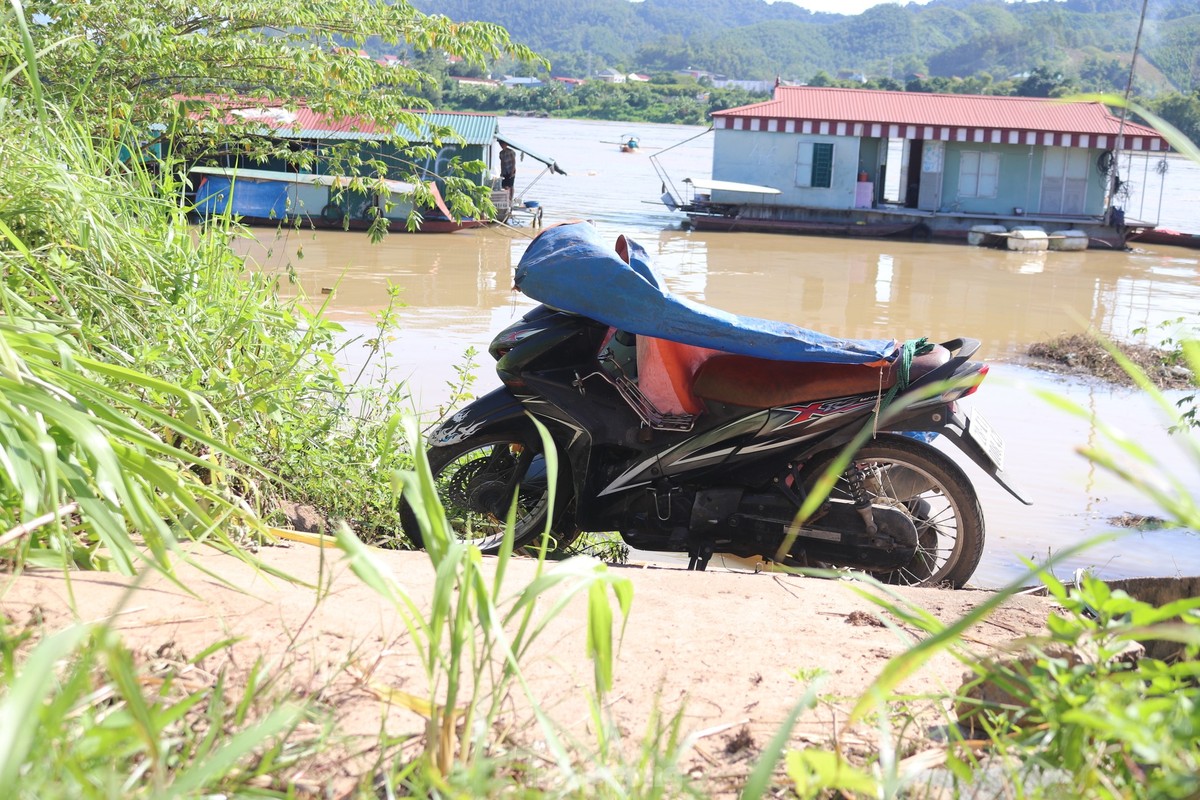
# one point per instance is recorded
(935, 495)
(477, 480)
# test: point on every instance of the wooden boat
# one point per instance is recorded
(628, 144)
(1164, 236)
(705, 215)
(875, 230)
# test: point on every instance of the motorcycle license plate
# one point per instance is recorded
(986, 437)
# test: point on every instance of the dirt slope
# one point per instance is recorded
(733, 650)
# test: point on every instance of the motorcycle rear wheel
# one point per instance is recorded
(935, 494)
(476, 481)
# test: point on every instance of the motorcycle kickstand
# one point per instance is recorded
(699, 555)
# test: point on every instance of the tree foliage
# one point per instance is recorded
(195, 70)
(755, 40)
(129, 60)
(1182, 111)
(1037, 49)
(149, 387)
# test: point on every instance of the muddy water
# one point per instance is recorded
(456, 291)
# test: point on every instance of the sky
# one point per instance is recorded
(842, 6)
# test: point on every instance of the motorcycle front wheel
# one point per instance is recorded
(477, 480)
(933, 492)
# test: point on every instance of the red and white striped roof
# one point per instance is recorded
(945, 117)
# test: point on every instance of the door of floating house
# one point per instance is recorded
(912, 173)
(894, 172)
(1065, 174)
(933, 165)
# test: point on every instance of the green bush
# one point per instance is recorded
(152, 386)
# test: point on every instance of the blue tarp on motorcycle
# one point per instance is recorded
(570, 268)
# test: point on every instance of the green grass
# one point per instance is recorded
(475, 635)
(83, 719)
(150, 389)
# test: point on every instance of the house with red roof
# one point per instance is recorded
(570, 83)
(858, 161)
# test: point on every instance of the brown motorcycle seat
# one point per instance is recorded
(761, 383)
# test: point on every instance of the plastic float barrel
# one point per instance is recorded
(1068, 240)
(1028, 240)
(985, 235)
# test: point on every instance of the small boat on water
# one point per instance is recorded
(628, 143)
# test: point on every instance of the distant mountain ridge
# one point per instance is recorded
(752, 39)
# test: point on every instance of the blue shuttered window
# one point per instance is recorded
(814, 165)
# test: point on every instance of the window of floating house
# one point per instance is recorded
(814, 164)
(978, 174)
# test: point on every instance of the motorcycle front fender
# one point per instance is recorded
(955, 425)
(959, 430)
(496, 409)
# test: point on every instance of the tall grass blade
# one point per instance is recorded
(1173, 135)
(35, 82)
(19, 709)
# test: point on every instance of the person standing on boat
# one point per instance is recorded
(508, 169)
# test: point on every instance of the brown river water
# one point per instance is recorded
(457, 294)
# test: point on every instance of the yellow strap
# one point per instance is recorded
(315, 539)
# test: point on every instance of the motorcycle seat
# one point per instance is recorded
(762, 383)
(666, 371)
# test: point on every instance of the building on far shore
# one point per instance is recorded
(571, 84)
(699, 74)
(525, 82)
(749, 86)
(468, 81)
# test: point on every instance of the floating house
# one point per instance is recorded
(319, 195)
(879, 163)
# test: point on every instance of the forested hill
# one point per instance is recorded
(752, 39)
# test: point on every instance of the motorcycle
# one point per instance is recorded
(691, 430)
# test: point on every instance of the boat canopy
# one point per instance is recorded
(730, 186)
(549, 162)
(570, 268)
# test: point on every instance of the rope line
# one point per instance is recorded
(909, 350)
